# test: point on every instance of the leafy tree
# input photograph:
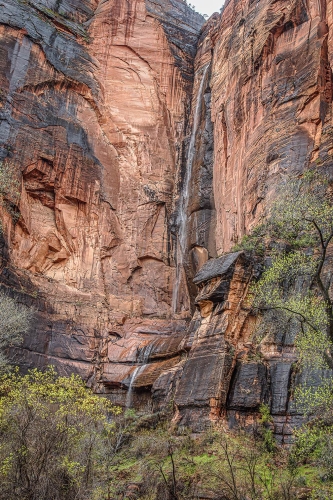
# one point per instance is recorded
(9, 190)
(14, 321)
(51, 435)
(242, 468)
(294, 294)
(314, 439)
(160, 467)
(296, 285)
(232, 466)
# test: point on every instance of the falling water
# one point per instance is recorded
(184, 197)
(145, 353)
(129, 395)
(143, 359)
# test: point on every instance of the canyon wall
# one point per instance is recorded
(271, 105)
(149, 144)
(269, 116)
(95, 99)
(271, 112)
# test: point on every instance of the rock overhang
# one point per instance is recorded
(216, 268)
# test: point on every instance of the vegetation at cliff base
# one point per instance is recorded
(55, 437)
(293, 297)
(60, 441)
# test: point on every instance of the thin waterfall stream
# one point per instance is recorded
(143, 359)
(184, 196)
(129, 395)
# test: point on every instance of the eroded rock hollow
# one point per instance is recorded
(148, 142)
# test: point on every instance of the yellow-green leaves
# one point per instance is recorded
(295, 286)
(67, 398)
(302, 214)
(293, 300)
(285, 288)
(52, 435)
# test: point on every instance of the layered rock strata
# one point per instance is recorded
(225, 376)
(214, 338)
(103, 108)
(271, 104)
(94, 100)
(271, 115)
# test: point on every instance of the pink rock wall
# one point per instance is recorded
(271, 104)
(95, 103)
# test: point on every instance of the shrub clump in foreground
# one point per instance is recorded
(59, 441)
(54, 433)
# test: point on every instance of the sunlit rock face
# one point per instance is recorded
(94, 104)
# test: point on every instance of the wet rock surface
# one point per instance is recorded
(249, 387)
(218, 332)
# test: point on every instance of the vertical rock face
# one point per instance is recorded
(217, 330)
(195, 218)
(94, 99)
(271, 115)
(139, 136)
(271, 105)
(271, 95)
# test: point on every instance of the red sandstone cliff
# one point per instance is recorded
(96, 113)
(94, 103)
(271, 105)
(271, 111)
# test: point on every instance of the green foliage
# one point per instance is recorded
(303, 212)
(15, 320)
(317, 401)
(294, 285)
(266, 421)
(285, 288)
(9, 190)
(314, 445)
(59, 441)
(301, 217)
(253, 242)
(265, 415)
(314, 440)
(52, 431)
(230, 466)
(293, 294)
(110, 460)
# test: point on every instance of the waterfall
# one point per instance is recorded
(129, 395)
(184, 197)
(143, 359)
(145, 353)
